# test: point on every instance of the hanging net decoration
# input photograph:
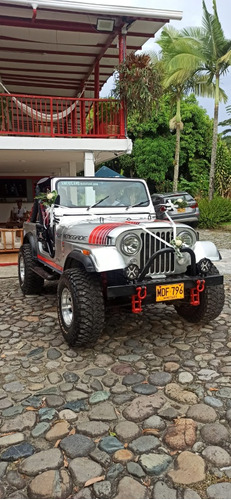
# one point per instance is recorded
(35, 114)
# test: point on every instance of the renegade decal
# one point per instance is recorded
(72, 237)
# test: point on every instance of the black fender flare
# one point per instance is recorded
(29, 238)
(85, 260)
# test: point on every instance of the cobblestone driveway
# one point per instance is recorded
(144, 414)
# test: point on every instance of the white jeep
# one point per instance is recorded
(101, 240)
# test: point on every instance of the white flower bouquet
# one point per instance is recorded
(47, 198)
(177, 244)
(180, 203)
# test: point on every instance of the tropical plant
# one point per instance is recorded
(138, 84)
(214, 212)
(154, 146)
(206, 52)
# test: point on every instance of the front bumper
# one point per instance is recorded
(189, 282)
(149, 284)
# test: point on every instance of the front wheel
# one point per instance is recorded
(211, 303)
(30, 283)
(80, 307)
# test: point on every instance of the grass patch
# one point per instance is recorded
(226, 225)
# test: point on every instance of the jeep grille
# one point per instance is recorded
(165, 263)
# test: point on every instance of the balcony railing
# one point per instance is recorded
(28, 115)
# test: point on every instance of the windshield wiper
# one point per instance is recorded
(137, 204)
(98, 202)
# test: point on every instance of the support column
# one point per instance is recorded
(96, 80)
(122, 55)
(72, 168)
(89, 164)
(82, 114)
(96, 105)
(122, 44)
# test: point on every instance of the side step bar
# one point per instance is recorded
(44, 274)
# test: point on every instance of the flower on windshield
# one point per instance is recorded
(47, 198)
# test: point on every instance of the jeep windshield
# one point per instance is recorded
(90, 193)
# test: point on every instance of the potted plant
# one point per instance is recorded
(103, 118)
(5, 115)
(108, 117)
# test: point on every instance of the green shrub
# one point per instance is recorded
(213, 213)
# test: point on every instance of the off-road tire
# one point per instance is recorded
(211, 303)
(87, 314)
(31, 283)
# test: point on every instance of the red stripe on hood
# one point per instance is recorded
(100, 233)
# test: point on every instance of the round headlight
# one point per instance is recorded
(130, 244)
(186, 237)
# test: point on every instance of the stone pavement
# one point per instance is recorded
(145, 413)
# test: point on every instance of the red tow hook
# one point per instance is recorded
(195, 293)
(137, 299)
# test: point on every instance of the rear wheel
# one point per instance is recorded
(211, 303)
(80, 307)
(30, 282)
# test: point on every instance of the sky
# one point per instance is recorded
(192, 16)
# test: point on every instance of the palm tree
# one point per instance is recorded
(170, 43)
(204, 51)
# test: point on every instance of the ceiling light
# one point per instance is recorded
(105, 24)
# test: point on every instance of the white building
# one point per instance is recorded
(55, 57)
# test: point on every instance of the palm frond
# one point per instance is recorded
(193, 33)
(225, 123)
(226, 58)
(227, 131)
(219, 36)
(188, 61)
(177, 78)
(215, 40)
(201, 87)
(222, 95)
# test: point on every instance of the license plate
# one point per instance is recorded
(181, 210)
(169, 292)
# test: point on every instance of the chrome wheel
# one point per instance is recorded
(67, 306)
(21, 269)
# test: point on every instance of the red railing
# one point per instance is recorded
(29, 115)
